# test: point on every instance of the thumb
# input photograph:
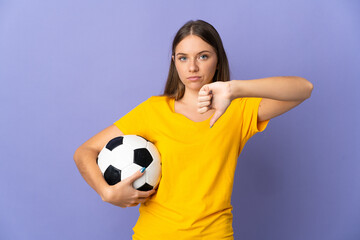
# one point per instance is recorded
(216, 116)
(136, 175)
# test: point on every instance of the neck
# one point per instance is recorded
(190, 98)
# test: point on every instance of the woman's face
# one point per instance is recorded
(195, 61)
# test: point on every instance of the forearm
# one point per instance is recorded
(85, 160)
(277, 88)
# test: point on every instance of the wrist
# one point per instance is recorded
(234, 89)
(105, 193)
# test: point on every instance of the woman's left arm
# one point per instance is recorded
(280, 94)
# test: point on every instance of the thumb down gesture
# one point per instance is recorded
(216, 95)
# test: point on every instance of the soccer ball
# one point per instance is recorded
(124, 155)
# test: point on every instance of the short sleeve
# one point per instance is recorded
(135, 122)
(250, 117)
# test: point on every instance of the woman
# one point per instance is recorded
(199, 125)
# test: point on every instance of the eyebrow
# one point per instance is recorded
(198, 53)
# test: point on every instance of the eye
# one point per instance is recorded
(182, 58)
(204, 57)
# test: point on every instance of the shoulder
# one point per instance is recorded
(159, 100)
(156, 103)
(245, 105)
(154, 99)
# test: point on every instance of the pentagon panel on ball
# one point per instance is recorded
(124, 155)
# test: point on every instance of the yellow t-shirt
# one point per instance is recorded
(193, 200)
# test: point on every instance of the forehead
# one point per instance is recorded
(193, 44)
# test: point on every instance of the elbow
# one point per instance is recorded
(76, 156)
(309, 88)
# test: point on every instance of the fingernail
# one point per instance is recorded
(142, 170)
(210, 126)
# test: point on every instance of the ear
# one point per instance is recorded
(172, 57)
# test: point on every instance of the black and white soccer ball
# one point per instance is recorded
(124, 155)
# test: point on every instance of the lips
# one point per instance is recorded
(192, 78)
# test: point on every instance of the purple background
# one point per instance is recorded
(68, 69)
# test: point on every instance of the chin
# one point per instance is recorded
(195, 88)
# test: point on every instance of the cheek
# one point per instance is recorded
(179, 69)
(212, 67)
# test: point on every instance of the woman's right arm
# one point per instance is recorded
(121, 194)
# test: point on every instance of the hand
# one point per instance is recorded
(216, 96)
(123, 194)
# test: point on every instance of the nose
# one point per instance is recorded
(193, 66)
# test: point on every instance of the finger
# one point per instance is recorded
(204, 98)
(143, 200)
(204, 104)
(136, 175)
(202, 93)
(204, 88)
(203, 109)
(216, 116)
(146, 194)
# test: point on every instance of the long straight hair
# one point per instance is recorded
(174, 87)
